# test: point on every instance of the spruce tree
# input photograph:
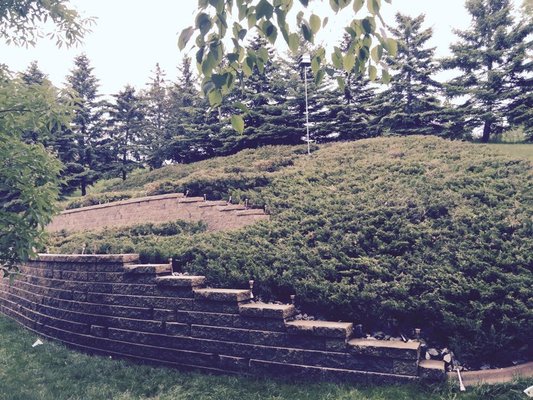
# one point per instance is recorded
(491, 56)
(411, 104)
(78, 146)
(155, 100)
(126, 123)
(33, 75)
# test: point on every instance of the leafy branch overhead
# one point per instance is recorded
(220, 67)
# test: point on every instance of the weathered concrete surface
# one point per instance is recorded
(218, 215)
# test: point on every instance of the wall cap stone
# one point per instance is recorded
(228, 295)
(187, 281)
(124, 202)
(321, 328)
(87, 258)
(265, 310)
(385, 348)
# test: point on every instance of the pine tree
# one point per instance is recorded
(155, 100)
(78, 146)
(33, 75)
(189, 132)
(126, 123)
(491, 56)
(411, 104)
(351, 108)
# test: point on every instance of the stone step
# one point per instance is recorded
(157, 269)
(212, 203)
(385, 348)
(224, 295)
(264, 310)
(232, 207)
(253, 211)
(433, 370)
(181, 281)
(321, 328)
(191, 200)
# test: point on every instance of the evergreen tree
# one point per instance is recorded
(491, 56)
(33, 75)
(78, 146)
(126, 123)
(352, 107)
(156, 115)
(411, 104)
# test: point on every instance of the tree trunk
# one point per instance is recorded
(83, 187)
(486, 132)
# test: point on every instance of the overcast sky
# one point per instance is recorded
(131, 36)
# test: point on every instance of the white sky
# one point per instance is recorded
(131, 36)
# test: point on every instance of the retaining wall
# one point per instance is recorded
(108, 304)
(218, 215)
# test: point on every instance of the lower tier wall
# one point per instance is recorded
(111, 305)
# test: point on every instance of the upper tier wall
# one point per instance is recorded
(106, 304)
(218, 215)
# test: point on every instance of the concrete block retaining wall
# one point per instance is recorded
(109, 304)
(218, 215)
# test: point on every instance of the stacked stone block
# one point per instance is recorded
(218, 215)
(112, 305)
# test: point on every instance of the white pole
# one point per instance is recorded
(307, 113)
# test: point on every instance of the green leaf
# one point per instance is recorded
(307, 32)
(334, 4)
(377, 53)
(294, 42)
(237, 122)
(372, 73)
(215, 98)
(185, 36)
(319, 76)
(373, 6)
(203, 23)
(341, 83)
(314, 23)
(369, 25)
(270, 31)
(385, 77)
(241, 106)
(325, 22)
(358, 4)
(392, 47)
(264, 9)
(349, 62)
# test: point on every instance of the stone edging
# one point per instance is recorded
(493, 376)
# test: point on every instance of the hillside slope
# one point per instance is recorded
(398, 232)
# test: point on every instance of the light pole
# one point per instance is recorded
(305, 62)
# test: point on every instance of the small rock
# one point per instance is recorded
(445, 351)
(447, 358)
(484, 367)
(379, 335)
(427, 356)
(387, 337)
(433, 352)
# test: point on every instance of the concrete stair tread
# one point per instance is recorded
(191, 200)
(181, 280)
(213, 203)
(256, 211)
(226, 295)
(266, 310)
(321, 328)
(148, 268)
(385, 348)
(232, 207)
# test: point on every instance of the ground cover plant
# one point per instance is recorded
(52, 372)
(393, 233)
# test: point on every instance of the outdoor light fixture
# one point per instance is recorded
(305, 62)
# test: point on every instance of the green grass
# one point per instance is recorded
(51, 371)
(514, 150)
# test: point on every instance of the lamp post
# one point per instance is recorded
(305, 62)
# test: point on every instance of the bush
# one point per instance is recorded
(421, 231)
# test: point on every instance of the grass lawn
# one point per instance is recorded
(51, 371)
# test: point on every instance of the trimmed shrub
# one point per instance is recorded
(419, 231)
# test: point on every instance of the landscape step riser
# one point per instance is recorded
(218, 215)
(155, 314)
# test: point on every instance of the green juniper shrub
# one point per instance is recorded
(413, 232)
